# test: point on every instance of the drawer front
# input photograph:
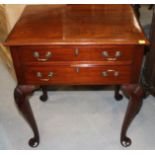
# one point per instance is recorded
(77, 75)
(85, 53)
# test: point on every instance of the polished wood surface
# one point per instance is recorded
(21, 94)
(78, 75)
(78, 53)
(87, 57)
(77, 45)
(77, 24)
(135, 93)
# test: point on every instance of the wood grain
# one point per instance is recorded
(77, 75)
(76, 24)
(85, 53)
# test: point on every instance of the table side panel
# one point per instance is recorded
(17, 64)
(137, 63)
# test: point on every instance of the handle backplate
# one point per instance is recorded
(47, 56)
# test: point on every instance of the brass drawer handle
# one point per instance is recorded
(50, 74)
(40, 75)
(118, 54)
(106, 73)
(47, 56)
(105, 54)
(44, 79)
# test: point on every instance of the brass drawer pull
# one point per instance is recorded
(118, 54)
(47, 56)
(44, 79)
(40, 75)
(116, 73)
(105, 54)
(50, 74)
(106, 73)
(76, 52)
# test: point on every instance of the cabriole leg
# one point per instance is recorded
(136, 93)
(117, 95)
(21, 94)
(44, 96)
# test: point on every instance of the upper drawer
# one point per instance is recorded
(78, 53)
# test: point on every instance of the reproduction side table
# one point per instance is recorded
(77, 45)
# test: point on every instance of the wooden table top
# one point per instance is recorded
(77, 25)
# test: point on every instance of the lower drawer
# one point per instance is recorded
(77, 75)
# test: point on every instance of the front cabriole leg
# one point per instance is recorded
(21, 94)
(135, 93)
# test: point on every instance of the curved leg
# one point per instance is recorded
(44, 96)
(136, 8)
(136, 94)
(21, 94)
(117, 95)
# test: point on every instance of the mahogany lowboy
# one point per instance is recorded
(77, 45)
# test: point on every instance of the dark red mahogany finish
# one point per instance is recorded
(77, 45)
